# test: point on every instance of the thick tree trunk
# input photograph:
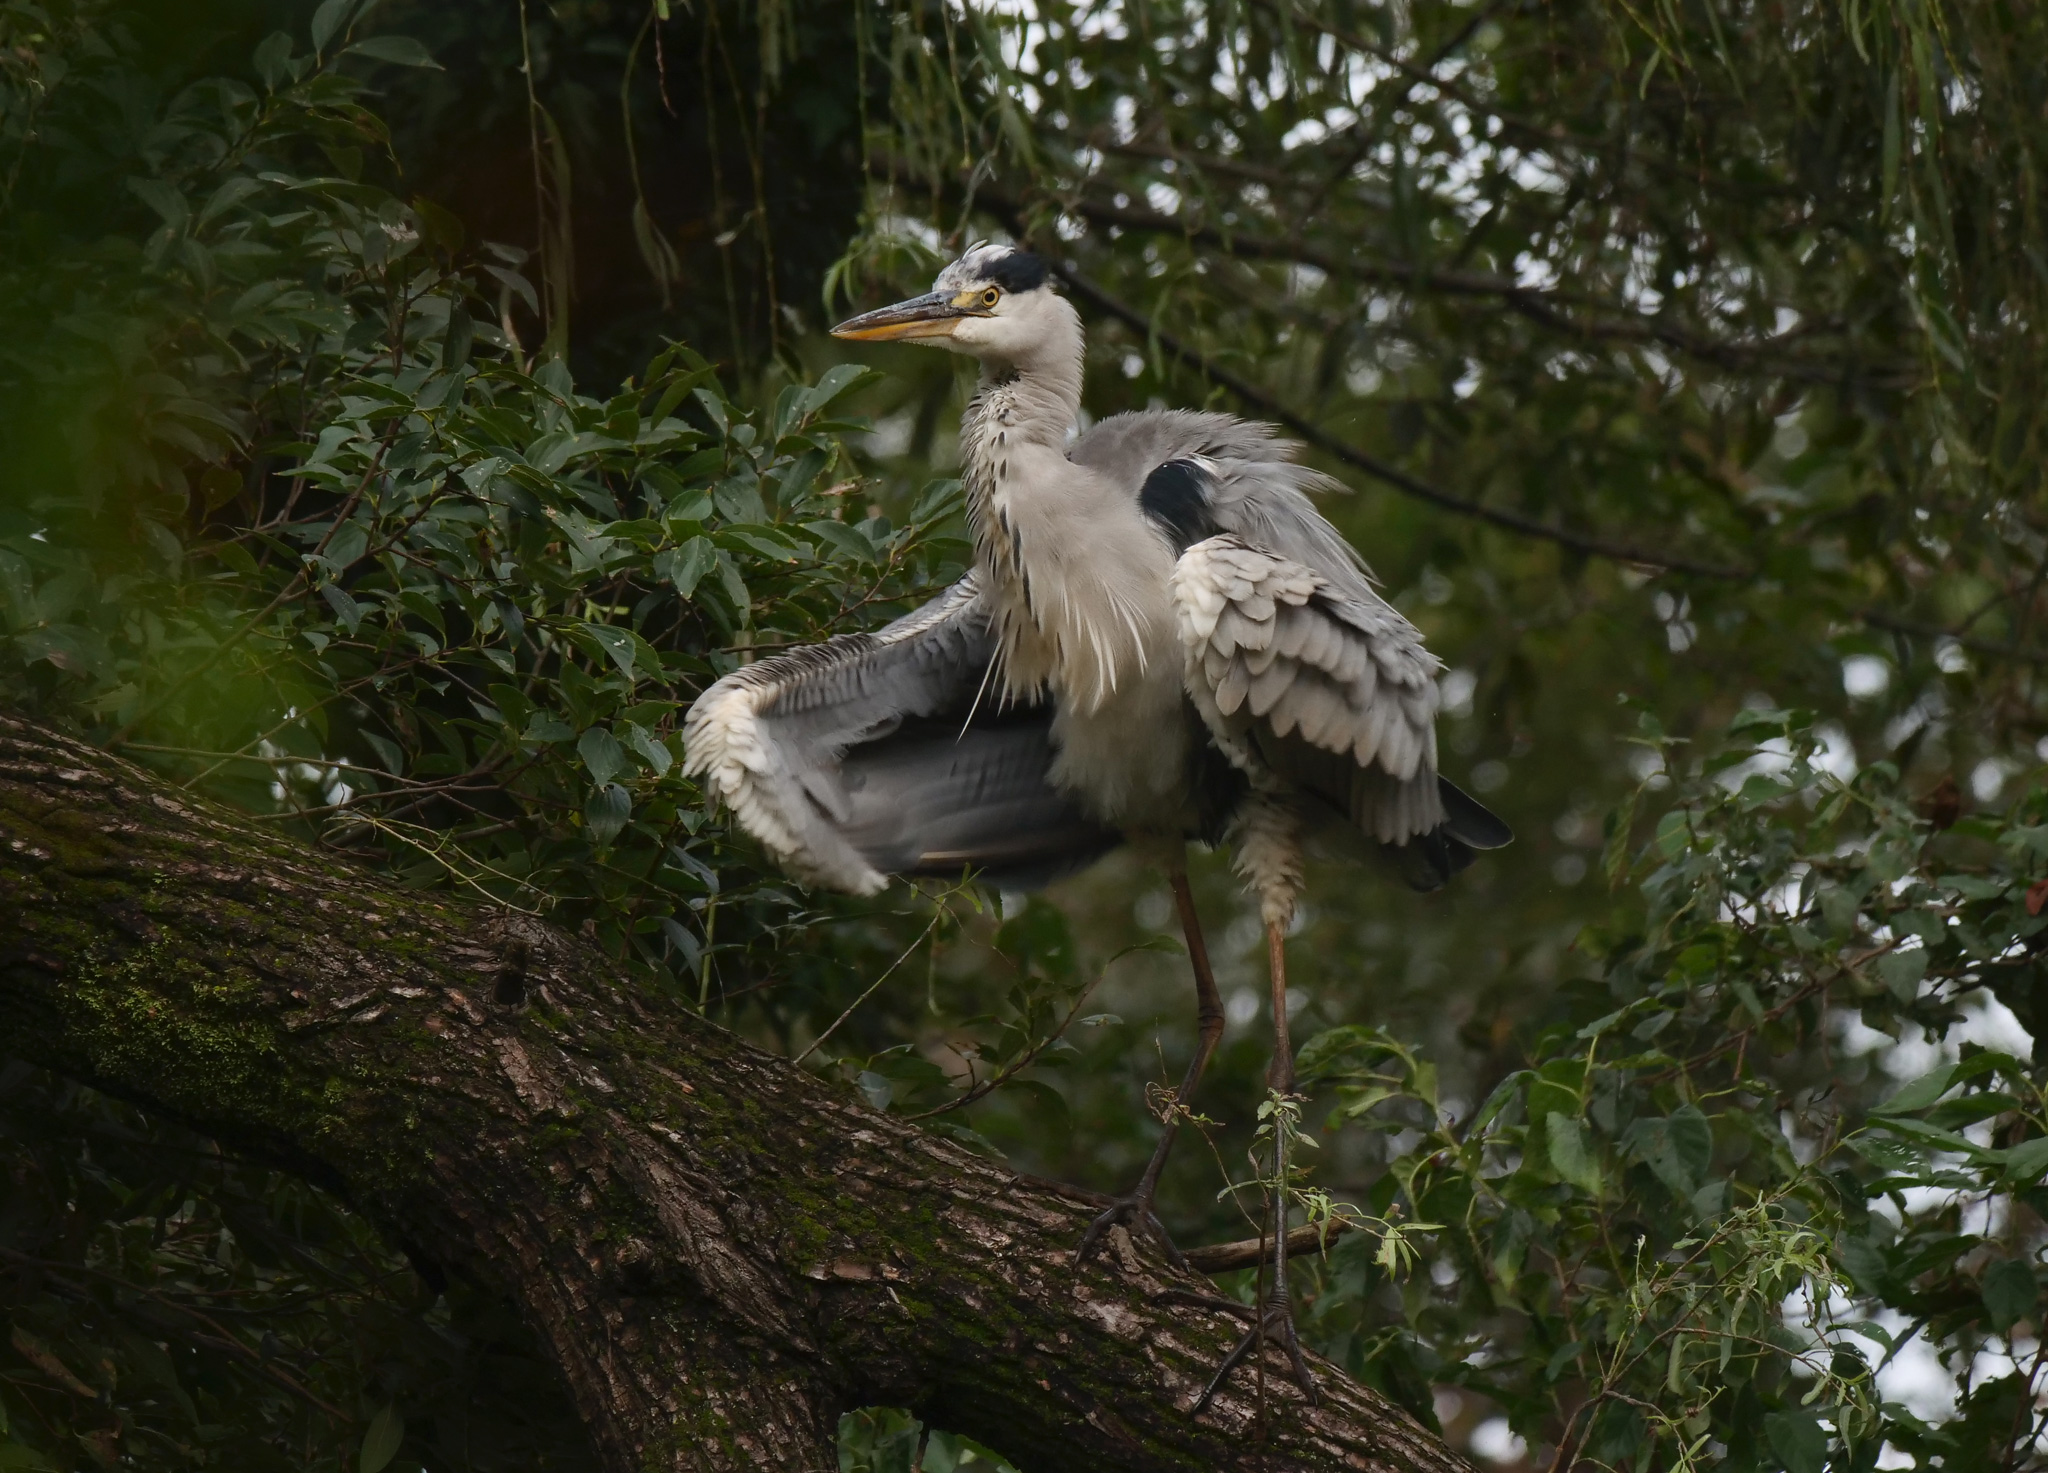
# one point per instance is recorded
(722, 1253)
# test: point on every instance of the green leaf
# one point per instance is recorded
(762, 540)
(794, 483)
(459, 339)
(237, 557)
(328, 19)
(1759, 788)
(1764, 719)
(658, 757)
(2010, 1288)
(230, 194)
(544, 726)
(1864, 1261)
(388, 754)
(398, 50)
(606, 813)
(345, 608)
(835, 381)
(1919, 1093)
(1674, 833)
(349, 542)
(1798, 1440)
(1894, 1157)
(2025, 1163)
(1045, 1113)
(163, 197)
(602, 754)
(273, 59)
(713, 404)
(1571, 1155)
(1928, 1135)
(692, 504)
(1902, 971)
(616, 642)
(684, 567)
(1678, 1148)
(381, 1442)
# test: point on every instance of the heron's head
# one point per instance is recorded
(995, 302)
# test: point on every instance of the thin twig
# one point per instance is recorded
(1030, 1056)
(1312, 1237)
(820, 1041)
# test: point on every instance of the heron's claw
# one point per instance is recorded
(1274, 1324)
(1132, 1212)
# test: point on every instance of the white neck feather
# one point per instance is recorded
(1041, 383)
(1061, 552)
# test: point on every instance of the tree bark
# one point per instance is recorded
(722, 1253)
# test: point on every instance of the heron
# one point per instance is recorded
(1160, 642)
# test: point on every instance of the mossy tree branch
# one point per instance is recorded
(722, 1253)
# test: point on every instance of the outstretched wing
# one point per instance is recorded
(855, 759)
(1330, 689)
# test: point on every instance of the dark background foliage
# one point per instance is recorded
(1685, 365)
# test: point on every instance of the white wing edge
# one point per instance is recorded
(725, 744)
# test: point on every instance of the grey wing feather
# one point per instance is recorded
(1329, 690)
(831, 756)
(1294, 661)
(1332, 691)
(1257, 489)
(930, 800)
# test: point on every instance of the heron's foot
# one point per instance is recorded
(1135, 1214)
(1273, 1325)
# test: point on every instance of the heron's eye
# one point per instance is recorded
(990, 296)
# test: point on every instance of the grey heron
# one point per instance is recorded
(1161, 641)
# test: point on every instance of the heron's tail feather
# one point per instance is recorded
(1428, 861)
(1467, 820)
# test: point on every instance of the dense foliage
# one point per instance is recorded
(1674, 1235)
(289, 514)
(1699, 343)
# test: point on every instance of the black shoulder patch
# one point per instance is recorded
(1018, 271)
(1176, 496)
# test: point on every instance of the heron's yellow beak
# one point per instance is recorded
(933, 315)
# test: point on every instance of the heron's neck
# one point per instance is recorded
(1035, 396)
(1012, 440)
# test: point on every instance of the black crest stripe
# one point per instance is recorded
(1016, 271)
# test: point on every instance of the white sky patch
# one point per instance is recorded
(1315, 130)
(1123, 118)
(1648, 767)
(1926, 710)
(1456, 688)
(1865, 677)
(1535, 273)
(1986, 1022)
(1679, 629)
(1495, 1441)
(1987, 778)
(1837, 755)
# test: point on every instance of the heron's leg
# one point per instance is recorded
(1136, 1209)
(1275, 1322)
